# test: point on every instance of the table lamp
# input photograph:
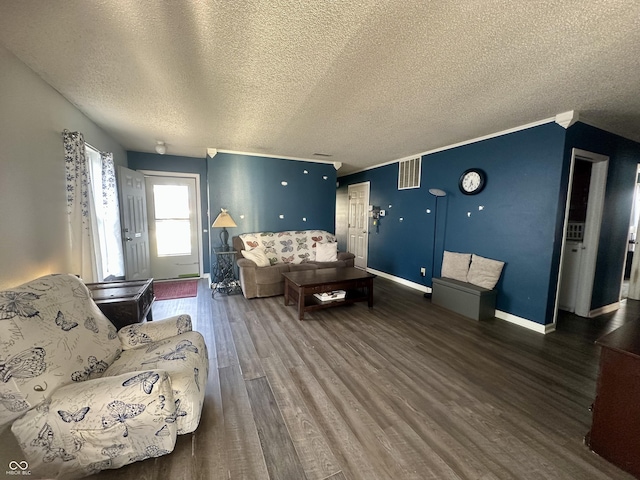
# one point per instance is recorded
(224, 220)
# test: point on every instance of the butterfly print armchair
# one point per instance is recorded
(82, 397)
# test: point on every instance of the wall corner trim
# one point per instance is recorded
(212, 152)
(566, 119)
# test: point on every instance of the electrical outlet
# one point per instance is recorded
(423, 271)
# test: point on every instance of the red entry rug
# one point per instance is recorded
(175, 289)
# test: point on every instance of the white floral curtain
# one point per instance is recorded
(83, 239)
(113, 256)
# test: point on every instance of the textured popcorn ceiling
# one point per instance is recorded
(365, 81)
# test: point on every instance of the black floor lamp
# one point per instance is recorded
(436, 192)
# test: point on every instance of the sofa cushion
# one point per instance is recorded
(264, 240)
(272, 274)
(455, 265)
(336, 264)
(184, 358)
(484, 272)
(258, 256)
(296, 267)
(100, 424)
(327, 252)
(291, 246)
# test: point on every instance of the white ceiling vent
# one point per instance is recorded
(409, 173)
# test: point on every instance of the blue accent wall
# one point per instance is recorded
(517, 218)
(250, 187)
(178, 164)
(624, 156)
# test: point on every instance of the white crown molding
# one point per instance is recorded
(461, 144)
(212, 152)
(566, 119)
(283, 157)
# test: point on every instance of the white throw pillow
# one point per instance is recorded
(455, 265)
(258, 256)
(484, 272)
(326, 252)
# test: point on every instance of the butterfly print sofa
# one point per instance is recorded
(82, 397)
(263, 257)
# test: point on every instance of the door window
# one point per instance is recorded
(172, 219)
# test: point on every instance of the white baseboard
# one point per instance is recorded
(526, 323)
(402, 281)
(606, 309)
(522, 322)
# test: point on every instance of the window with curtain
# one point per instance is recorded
(103, 186)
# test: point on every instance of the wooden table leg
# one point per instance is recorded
(301, 303)
(286, 291)
(370, 291)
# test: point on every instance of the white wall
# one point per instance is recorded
(33, 219)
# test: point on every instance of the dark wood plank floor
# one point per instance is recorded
(406, 390)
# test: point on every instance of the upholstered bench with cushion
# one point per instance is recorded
(467, 285)
(264, 256)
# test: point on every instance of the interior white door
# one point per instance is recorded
(173, 226)
(592, 226)
(358, 223)
(135, 232)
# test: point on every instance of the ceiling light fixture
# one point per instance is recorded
(161, 148)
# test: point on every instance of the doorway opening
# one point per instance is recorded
(358, 242)
(574, 242)
(581, 239)
(630, 287)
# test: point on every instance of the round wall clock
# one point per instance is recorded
(472, 181)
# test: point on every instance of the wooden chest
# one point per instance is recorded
(124, 302)
(615, 427)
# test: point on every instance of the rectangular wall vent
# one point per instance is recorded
(409, 173)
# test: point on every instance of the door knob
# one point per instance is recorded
(129, 239)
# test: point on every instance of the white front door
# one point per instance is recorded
(133, 215)
(358, 223)
(173, 226)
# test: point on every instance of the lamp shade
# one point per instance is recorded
(223, 220)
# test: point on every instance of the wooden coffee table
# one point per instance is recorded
(300, 287)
